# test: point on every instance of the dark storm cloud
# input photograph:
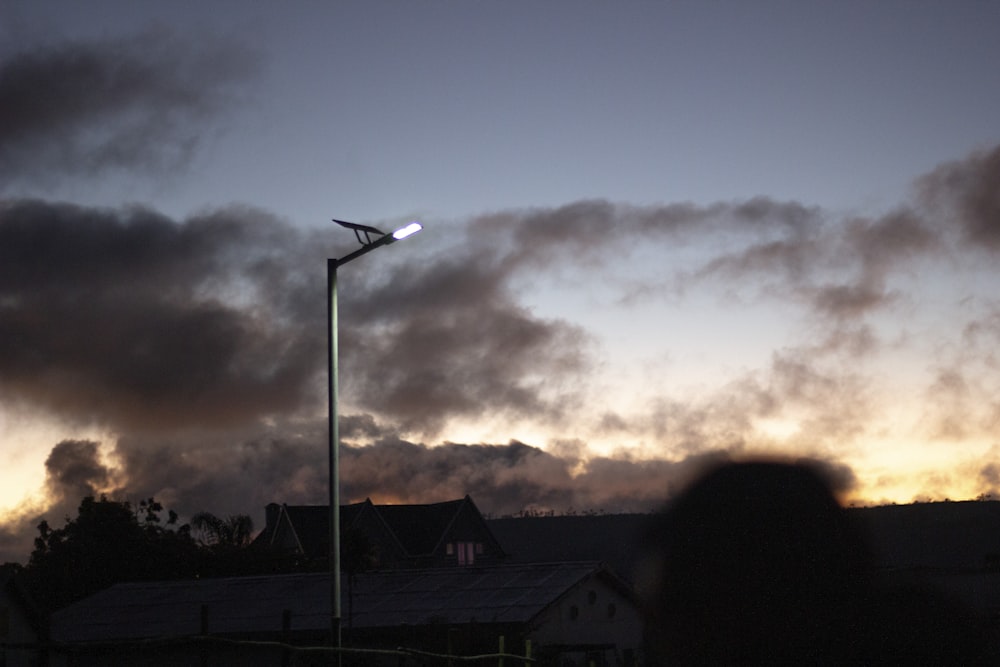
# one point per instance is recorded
(240, 471)
(506, 479)
(79, 108)
(139, 322)
(233, 471)
(136, 321)
(459, 345)
(74, 470)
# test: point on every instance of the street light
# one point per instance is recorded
(369, 238)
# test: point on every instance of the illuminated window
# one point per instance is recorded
(466, 553)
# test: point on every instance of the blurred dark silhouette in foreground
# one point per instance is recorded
(757, 564)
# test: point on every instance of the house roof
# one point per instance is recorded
(310, 523)
(419, 529)
(249, 605)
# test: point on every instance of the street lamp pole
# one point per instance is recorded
(370, 239)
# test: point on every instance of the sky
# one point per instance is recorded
(657, 235)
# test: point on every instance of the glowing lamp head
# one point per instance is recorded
(408, 230)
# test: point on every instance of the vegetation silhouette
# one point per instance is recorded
(233, 532)
(112, 541)
(757, 564)
(108, 542)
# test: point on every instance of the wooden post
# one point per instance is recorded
(204, 633)
(286, 632)
(452, 644)
(501, 651)
(527, 652)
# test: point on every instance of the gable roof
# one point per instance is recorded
(499, 594)
(422, 529)
(418, 529)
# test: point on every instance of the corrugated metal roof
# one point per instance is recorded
(501, 594)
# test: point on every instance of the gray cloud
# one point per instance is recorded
(989, 477)
(81, 108)
(459, 345)
(240, 472)
(966, 194)
(133, 320)
(74, 470)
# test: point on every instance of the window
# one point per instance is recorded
(466, 553)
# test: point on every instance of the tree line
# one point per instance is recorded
(112, 541)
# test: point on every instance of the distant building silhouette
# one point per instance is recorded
(451, 533)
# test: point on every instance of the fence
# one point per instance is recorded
(210, 650)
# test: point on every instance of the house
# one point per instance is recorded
(441, 534)
(571, 613)
(21, 625)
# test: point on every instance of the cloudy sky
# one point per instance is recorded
(657, 234)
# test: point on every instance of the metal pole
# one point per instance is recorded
(334, 481)
(334, 427)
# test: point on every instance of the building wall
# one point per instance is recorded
(468, 541)
(596, 614)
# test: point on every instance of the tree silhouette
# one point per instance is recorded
(108, 542)
(235, 531)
